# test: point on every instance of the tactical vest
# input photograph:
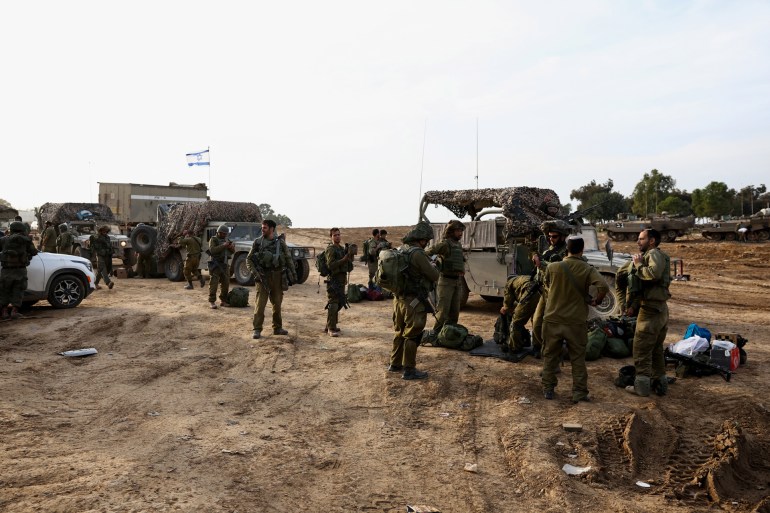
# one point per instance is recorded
(454, 263)
(101, 245)
(216, 242)
(266, 254)
(339, 253)
(14, 253)
(65, 240)
(658, 290)
(193, 245)
(417, 284)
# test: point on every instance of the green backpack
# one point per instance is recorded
(238, 297)
(320, 264)
(597, 339)
(365, 254)
(617, 348)
(452, 336)
(354, 294)
(392, 267)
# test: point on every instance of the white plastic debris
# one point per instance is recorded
(643, 484)
(523, 400)
(80, 352)
(471, 467)
(572, 470)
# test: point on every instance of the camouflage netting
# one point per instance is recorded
(59, 213)
(7, 213)
(525, 208)
(195, 216)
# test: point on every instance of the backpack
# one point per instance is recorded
(320, 264)
(694, 329)
(354, 294)
(238, 297)
(365, 255)
(597, 339)
(451, 336)
(502, 329)
(14, 252)
(392, 267)
(616, 348)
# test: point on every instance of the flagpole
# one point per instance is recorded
(208, 149)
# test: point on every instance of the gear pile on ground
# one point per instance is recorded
(177, 217)
(525, 208)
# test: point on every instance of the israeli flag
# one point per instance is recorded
(200, 158)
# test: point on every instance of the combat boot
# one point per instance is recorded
(202, 280)
(412, 373)
(6, 314)
(188, 286)
(641, 386)
(15, 313)
(660, 385)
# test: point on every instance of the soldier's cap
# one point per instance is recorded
(104, 228)
(454, 224)
(63, 226)
(17, 226)
(421, 230)
(223, 228)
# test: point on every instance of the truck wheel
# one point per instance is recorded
(619, 237)
(609, 305)
(143, 239)
(763, 235)
(671, 235)
(303, 270)
(729, 236)
(66, 291)
(242, 274)
(173, 267)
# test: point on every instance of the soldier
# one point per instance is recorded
(220, 249)
(370, 255)
(268, 259)
(524, 293)
(568, 284)
(339, 260)
(48, 238)
(377, 244)
(102, 248)
(65, 240)
(16, 252)
(556, 251)
(143, 265)
(449, 291)
(626, 289)
(192, 244)
(653, 269)
(409, 309)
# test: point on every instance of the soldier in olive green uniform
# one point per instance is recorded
(340, 262)
(523, 294)
(568, 283)
(268, 259)
(556, 251)
(409, 310)
(449, 291)
(376, 244)
(653, 269)
(192, 245)
(102, 248)
(220, 249)
(16, 252)
(65, 240)
(48, 238)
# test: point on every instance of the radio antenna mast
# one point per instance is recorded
(477, 153)
(422, 163)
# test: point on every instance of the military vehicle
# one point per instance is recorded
(504, 228)
(759, 228)
(203, 219)
(724, 229)
(84, 220)
(628, 226)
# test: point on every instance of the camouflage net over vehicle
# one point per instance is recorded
(177, 217)
(59, 213)
(525, 208)
(7, 213)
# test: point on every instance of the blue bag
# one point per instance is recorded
(694, 330)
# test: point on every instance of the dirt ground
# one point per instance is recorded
(182, 411)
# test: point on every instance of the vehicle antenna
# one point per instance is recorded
(422, 163)
(477, 153)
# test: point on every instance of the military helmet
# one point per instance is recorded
(223, 228)
(556, 225)
(63, 227)
(421, 230)
(17, 226)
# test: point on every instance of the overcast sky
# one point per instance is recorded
(341, 113)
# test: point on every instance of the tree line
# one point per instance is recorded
(657, 193)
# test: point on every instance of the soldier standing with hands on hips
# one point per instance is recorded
(220, 249)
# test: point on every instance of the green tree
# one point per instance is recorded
(675, 206)
(268, 213)
(584, 193)
(610, 203)
(714, 200)
(653, 188)
(748, 196)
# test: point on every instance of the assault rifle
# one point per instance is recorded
(577, 215)
(533, 287)
(695, 366)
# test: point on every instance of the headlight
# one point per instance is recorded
(295, 253)
(123, 243)
(86, 264)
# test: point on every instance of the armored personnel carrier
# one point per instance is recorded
(628, 226)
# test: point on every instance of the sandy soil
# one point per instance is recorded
(182, 411)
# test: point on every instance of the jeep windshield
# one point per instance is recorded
(245, 232)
